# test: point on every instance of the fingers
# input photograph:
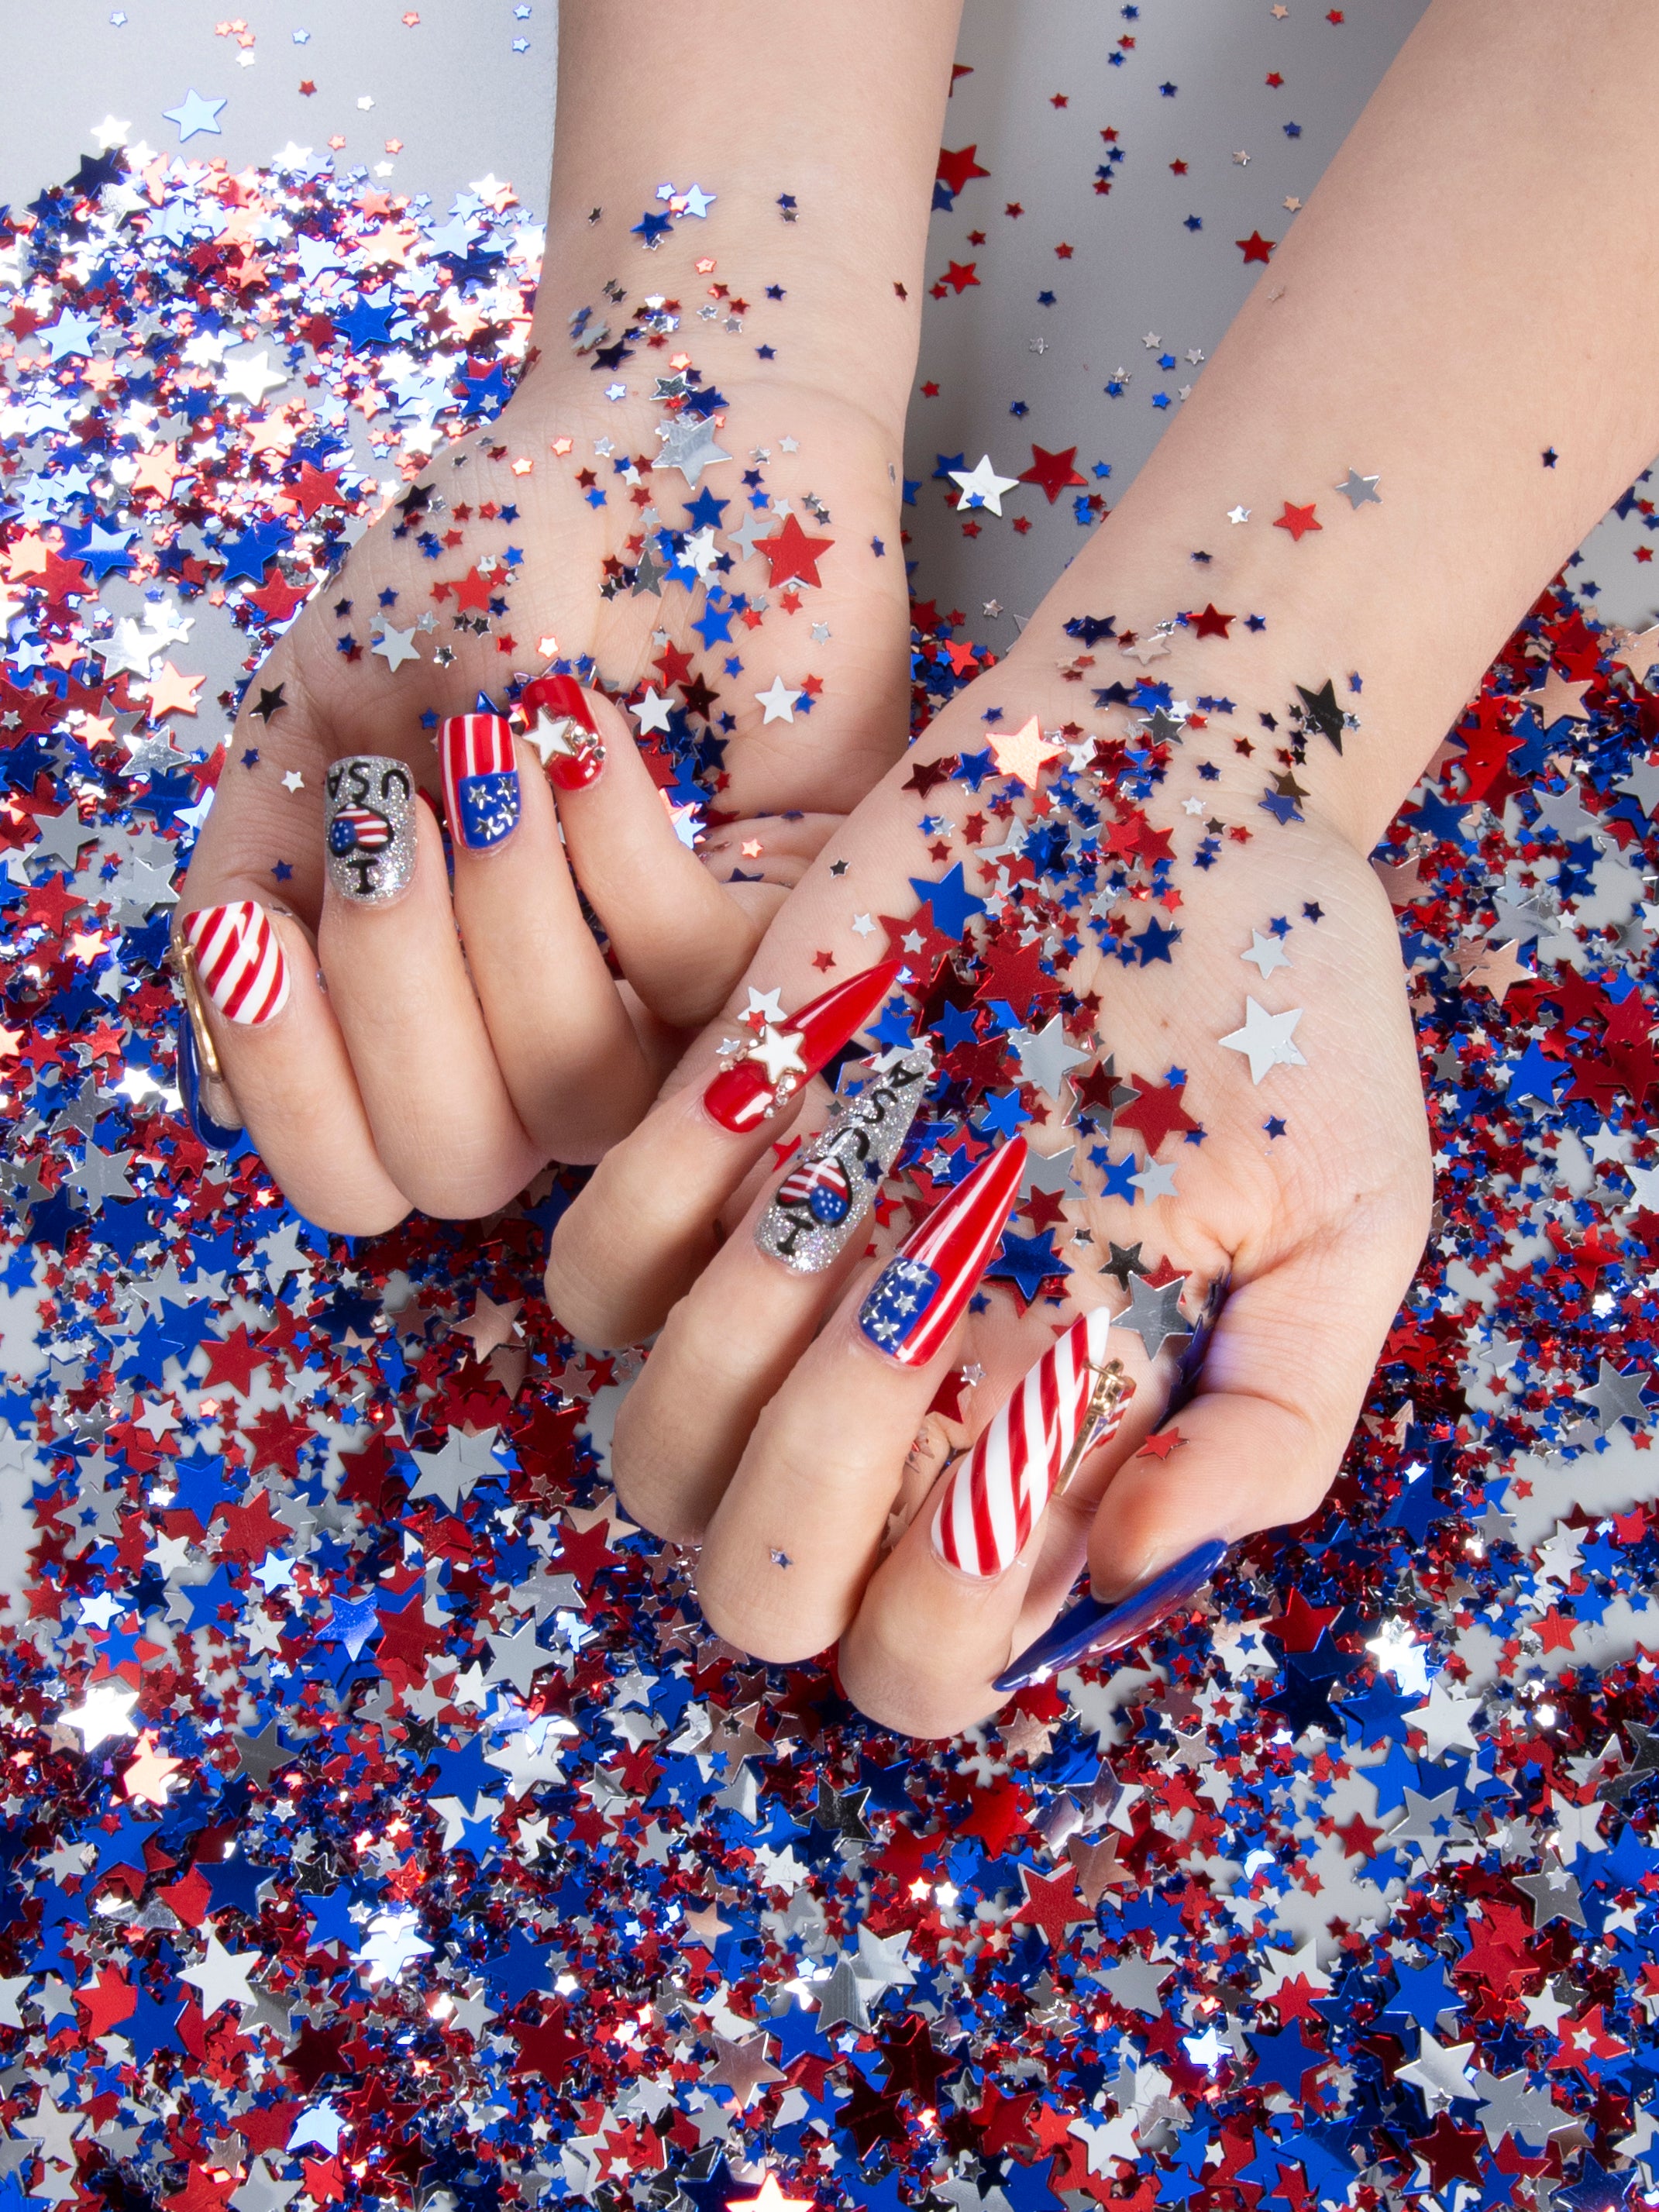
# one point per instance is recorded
(730, 1345)
(444, 1122)
(679, 938)
(570, 1058)
(637, 1237)
(273, 1032)
(797, 1533)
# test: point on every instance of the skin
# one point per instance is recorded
(1435, 319)
(439, 1049)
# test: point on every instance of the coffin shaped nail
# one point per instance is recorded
(1070, 1401)
(238, 961)
(919, 1295)
(819, 1204)
(559, 722)
(761, 1073)
(1089, 1629)
(481, 779)
(370, 830)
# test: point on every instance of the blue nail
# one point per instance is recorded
(211, 1132)
(1089, 1629)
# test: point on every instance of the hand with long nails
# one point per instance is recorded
(1145, 796)
(658, 602)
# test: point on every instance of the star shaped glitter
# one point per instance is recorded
(777, 701)
(1360, 491)
(1265, 1039)
(1154, 1316)
(982, 486)
(1024, 752)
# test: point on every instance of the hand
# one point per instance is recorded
(379, 1059)
(768, 1427)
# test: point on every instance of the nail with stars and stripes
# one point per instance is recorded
(1072, 1401)
(815, 1212)
(481, 780)
(559, 722)
(920, 1294)
(759, 1073)
(238, 960)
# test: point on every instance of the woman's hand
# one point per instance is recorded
(1260, 1081)
(391, 1038)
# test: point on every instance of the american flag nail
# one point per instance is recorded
(763, 1071)
(919, 1296)
(239, 960)
(481, 779)
(370, 841)
(819, 1204)
(1071, 1401)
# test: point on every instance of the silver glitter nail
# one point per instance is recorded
(370, 835)
(820, 1203)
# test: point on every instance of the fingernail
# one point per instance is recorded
(819, 1204)
(370, 837)
(481, 779)
(239, 960)
(559, 723)
(1070, 1401)
(761, 1071)
(1089, 1629)
(919, 1295)
(218, 1136)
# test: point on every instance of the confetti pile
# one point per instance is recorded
(382, 1825)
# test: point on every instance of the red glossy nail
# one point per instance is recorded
(749, 1090)
(559, 723)
(918, 1295)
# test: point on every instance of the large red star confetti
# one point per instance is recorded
(1053, 473)
(1298, 520)
(1256, 247)
(792, 555)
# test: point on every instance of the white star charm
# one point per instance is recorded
(1266, 953)
(395, 646)
(982, 486)
(1267, 1038)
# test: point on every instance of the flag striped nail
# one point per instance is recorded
(239, 960)
(761, 1071)
(559, 723)
(918, 1295)
(1071, 1401)
(481, 779)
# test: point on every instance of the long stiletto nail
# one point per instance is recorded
(370, 836)
(559, 722)
(1089, 1629)
(819, 1204)
(760, 1073)
(1070, 1401)
(918, 1295)
(236, 956)
(481, 779)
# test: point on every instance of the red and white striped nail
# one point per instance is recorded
(1070, 1401)
(559, 722)
(918, 1295)
(765, 1071)
(239, 960)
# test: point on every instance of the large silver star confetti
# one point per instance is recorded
(1154, 1316)
(1265, 1039)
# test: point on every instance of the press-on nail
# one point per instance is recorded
(559, 723)
(239, 960)
(919, 1295)
(763, 1073)
(481, 779)
(1089, 1629)
(370, 833)
(819, 1205)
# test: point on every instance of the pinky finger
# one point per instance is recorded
(270, 1056)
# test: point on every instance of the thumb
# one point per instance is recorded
(1273, 1404)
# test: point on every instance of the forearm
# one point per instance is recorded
(1472, 284)
(836, 110)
